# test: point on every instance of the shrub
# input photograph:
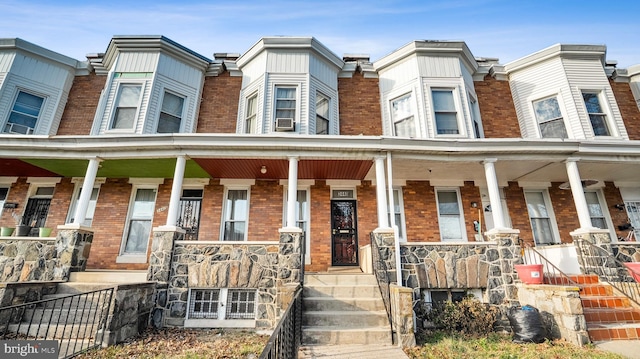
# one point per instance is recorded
(469, 316)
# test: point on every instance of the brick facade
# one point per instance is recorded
(219, 106)
(77, 118)
(359, 106)
(498, 113)
(628, 108)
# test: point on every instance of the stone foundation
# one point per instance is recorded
(27, 260)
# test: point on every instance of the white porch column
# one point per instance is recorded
(292, 192)
(381, 196)
(578, 193)
(494, 193)
(176, 191)
(87, 189)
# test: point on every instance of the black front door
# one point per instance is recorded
(344, 236)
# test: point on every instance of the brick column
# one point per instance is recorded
(501, 284)
(73, 244)
(159, 269)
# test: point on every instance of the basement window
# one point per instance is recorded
(221, 307)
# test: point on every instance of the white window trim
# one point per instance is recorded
(298, 115)
(221, 322)
(307, 215)
(606, 108)
(138, 183)
(43, 108)
(112, 111)
(463, 228)
(474, 114)
(403, 224)
(315, 117)
(185, 103)
(605, 212)
(77, 185)
(455, 92)
(228, 187)
(563, 111)
(549, 207)
(253, 94)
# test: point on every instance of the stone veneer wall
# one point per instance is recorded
(131, 307)
(560, 310)
(27, 260)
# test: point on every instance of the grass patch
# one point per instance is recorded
(440, 345)
(186, 344)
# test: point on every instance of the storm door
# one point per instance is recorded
(189, 213)
(344, 236)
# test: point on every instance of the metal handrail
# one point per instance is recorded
(76, 321)
(601, 262)
(382, 276)
(552, 274)
(286, 338)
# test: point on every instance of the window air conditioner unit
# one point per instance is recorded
(284, 124)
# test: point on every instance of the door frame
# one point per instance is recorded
(356, 261)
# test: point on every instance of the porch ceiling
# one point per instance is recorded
(150, 168)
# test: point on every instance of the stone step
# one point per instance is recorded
(612, 315)
(343, 304)
(596, 290)
(345, 319)
(339, 279)
(69, 331)
(56, 316)
(613, 331)
(109, 276)
(605, 302)
(339, 335)
(81, 287)
(342, 291)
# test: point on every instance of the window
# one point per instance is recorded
(24, 114)
(222, 304)
(140, 221)
(322, 115)
(475, 117)
(398, 213)
(236, 210)
(3, 197)
(402, 117)
(286, 102)
(250, 114)
(127, 107)
(445, 113)
(90, 210)
(540, 217)
(170, 113)
(550, 118)
(449, 215)
(595, 210)
(597, 117)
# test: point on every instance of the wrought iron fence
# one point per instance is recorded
(382, 276)
(76, 321)
(286, 338)
(599, 260)
(552, 274)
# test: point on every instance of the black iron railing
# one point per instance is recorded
(76, 321)
(285, 340)
(382, 276)
(599, 260)
(552, 274)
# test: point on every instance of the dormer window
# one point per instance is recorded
(170, 113)
(24, 114)
(322, 114)
(126, 107)
(549, 117)
(597, 116)
(402, 116)
(250, 121)
(285, 106)
(445, 113)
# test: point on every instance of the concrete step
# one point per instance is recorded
(109, 276)
(342, 291)
(339, 279)
(81, 287)
(76, 302)
(56, 316)
(612, 315)
(342, 304)
(69, 331)
(613, 331)
(339, 335)
(353, 319)
(605, 302)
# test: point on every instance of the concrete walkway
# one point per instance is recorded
(352, 351)
(627, 348)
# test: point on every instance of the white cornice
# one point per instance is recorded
(595, 52)
(430, 48)
(33, 50)
(289, 43)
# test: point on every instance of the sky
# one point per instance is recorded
(503, 29)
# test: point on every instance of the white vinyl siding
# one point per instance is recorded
(322, 124)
